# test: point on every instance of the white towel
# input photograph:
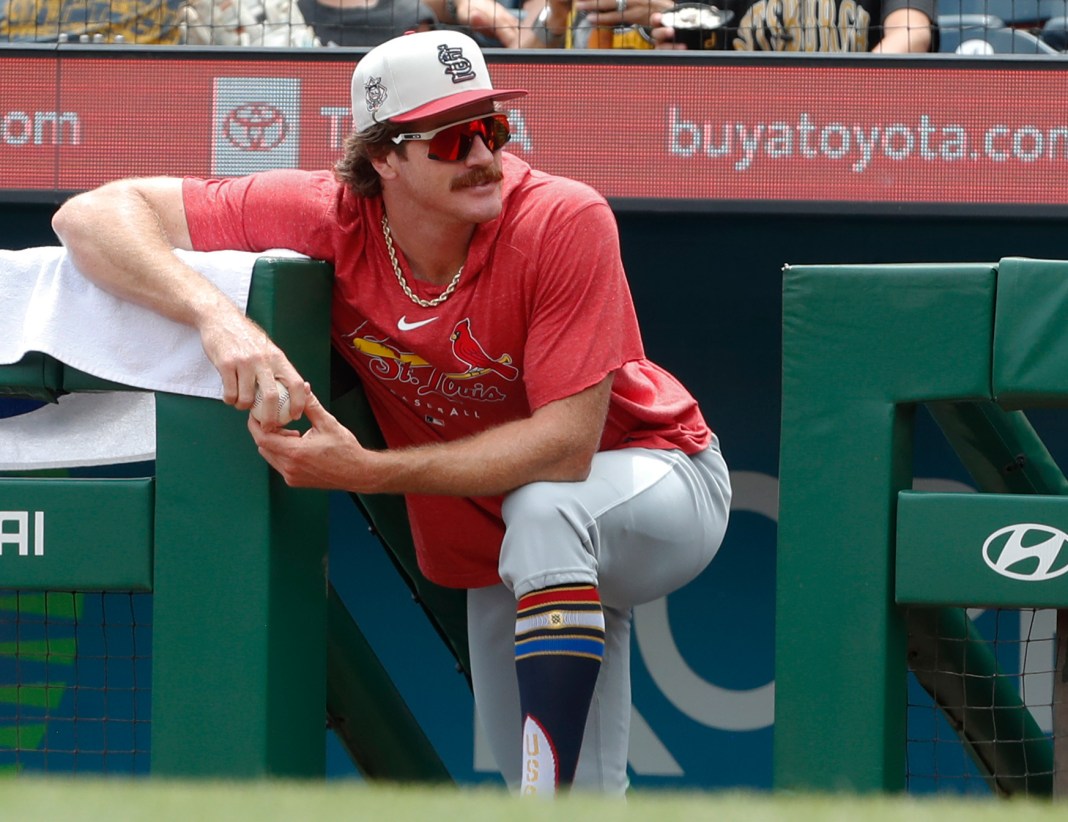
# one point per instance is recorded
(106, 428)
(47, 305)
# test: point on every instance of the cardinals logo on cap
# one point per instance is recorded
(375, 93)
(456, 65)
(420, 75)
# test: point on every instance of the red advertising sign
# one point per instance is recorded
(706, 128)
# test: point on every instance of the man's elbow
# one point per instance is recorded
(67, 218)
(79, 218)
(576, 463)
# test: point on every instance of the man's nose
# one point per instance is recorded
(479, 154)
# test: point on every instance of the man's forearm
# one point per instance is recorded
(122, 236)
(556, 443)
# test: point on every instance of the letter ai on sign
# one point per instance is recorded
(1027, 551)
(16, 533)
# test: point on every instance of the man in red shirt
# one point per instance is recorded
(548, 467)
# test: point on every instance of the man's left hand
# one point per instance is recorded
(326, 456)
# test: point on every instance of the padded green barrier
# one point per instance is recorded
(60, 534)
(36, 376)
(1030, 346)
(949, 550)
(861, 344)
(236, 553)
(239, 603)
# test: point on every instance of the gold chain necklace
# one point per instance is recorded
(404, 283)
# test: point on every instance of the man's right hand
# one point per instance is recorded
(244, 355)
(122, 237)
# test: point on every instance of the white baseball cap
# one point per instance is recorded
(420, 74)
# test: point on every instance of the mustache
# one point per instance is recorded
(476, 177)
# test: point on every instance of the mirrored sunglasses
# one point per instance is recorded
(453, 142)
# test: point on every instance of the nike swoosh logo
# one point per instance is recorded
(404, 325)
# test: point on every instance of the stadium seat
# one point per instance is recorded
(1012, 12)
(977, 41)
(954, 29)
(1054, 33)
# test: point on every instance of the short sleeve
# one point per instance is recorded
(273, 209)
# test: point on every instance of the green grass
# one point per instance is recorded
(116, 800)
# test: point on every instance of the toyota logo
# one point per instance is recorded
(1028, 551)
(255, 127)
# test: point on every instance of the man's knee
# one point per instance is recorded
(549, 539)
(545, 505)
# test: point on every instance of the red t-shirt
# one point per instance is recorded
(541, 312)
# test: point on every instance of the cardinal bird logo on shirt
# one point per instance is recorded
(470, 352)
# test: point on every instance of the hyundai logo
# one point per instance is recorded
(1028, 551)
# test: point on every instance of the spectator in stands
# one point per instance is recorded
(370, 22)
(245, 23)
(883, 26)
(132, 21)
(581, 24)
(491, 23)
(363, 23)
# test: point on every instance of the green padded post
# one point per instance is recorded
(861, 345)
(1030, 346)
(239, 610)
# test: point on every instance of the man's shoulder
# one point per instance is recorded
(306, 192)
(318, 180)
(288, 183)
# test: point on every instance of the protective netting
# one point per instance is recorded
(981, 703)
(75, 672)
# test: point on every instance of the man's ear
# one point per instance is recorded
(386, 165)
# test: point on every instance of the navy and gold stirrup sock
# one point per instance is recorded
(559, 644)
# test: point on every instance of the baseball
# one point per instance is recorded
(281, 414)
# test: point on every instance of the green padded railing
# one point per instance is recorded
(250, 655)
(863, 347)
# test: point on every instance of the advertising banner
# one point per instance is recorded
(714, 129)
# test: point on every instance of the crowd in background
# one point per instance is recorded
(749, 25)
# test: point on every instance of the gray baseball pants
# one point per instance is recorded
(642, 525)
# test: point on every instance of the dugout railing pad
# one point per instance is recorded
(251, 647)
(863, 347)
